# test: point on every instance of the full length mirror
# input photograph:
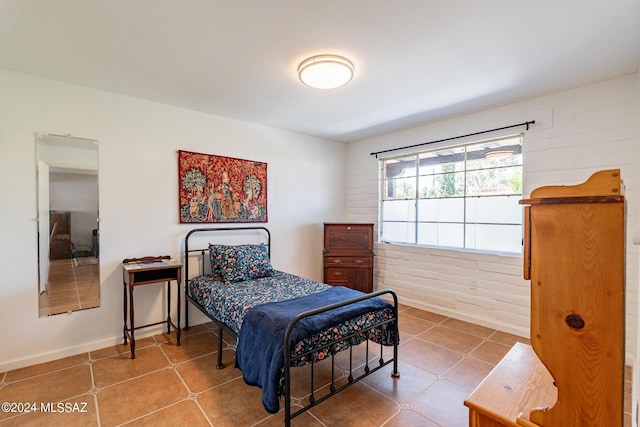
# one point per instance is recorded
(68, 235)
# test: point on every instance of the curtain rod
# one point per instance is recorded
(454, 137)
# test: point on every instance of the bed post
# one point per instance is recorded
(287, 379)
(220, 365)
(396, 339)
(186, 281)
(186, 276)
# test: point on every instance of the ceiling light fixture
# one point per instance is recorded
(325, 71)
(498, 154)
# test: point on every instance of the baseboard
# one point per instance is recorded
(500, 326)
(60, 353)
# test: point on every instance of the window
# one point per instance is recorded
(460, 197)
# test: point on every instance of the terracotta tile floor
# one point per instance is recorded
(441, 362)
(72, 286)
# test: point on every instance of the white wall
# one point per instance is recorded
(635, 373)
(138, 143)
(577, 132)
(78, 194)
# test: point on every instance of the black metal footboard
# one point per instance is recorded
(288, 360)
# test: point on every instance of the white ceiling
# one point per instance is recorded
(416, 60)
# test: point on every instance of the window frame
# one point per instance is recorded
(415, 223)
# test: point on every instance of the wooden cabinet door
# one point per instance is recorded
(361, 280)
(577, 304)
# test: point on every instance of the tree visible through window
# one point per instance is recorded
(459, 197)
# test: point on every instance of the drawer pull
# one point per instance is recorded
(337, 273)
(336, 261)
(359, 261)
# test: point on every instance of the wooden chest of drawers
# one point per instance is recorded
(348, 255)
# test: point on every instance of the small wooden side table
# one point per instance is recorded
(144, 271)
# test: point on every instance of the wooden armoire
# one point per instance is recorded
(574, 255)
(348, 255)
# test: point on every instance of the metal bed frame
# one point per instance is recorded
(288, 360)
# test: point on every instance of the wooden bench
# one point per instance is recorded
(518, 384)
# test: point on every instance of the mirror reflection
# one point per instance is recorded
(68, 234)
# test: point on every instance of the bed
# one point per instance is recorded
(282, 321)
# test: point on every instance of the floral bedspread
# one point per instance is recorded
(229, 303)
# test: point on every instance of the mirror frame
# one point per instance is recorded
(73, 159)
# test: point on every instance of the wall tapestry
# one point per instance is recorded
(217, 189)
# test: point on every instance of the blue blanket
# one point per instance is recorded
(259, 352)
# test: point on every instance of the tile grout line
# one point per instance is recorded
(94, 390)
(75, 282)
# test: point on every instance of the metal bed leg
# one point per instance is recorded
(186, 298)
(220, 365)
(169, 307)
(396, 339)
(287, 383)
(312, 397)
(333, 373)
(395, 373)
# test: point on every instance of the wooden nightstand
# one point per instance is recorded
(144, 271)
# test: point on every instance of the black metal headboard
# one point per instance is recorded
(203, 250)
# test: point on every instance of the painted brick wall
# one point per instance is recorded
(577, 132)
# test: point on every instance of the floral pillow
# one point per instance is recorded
(214, 260)
(240, 262)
